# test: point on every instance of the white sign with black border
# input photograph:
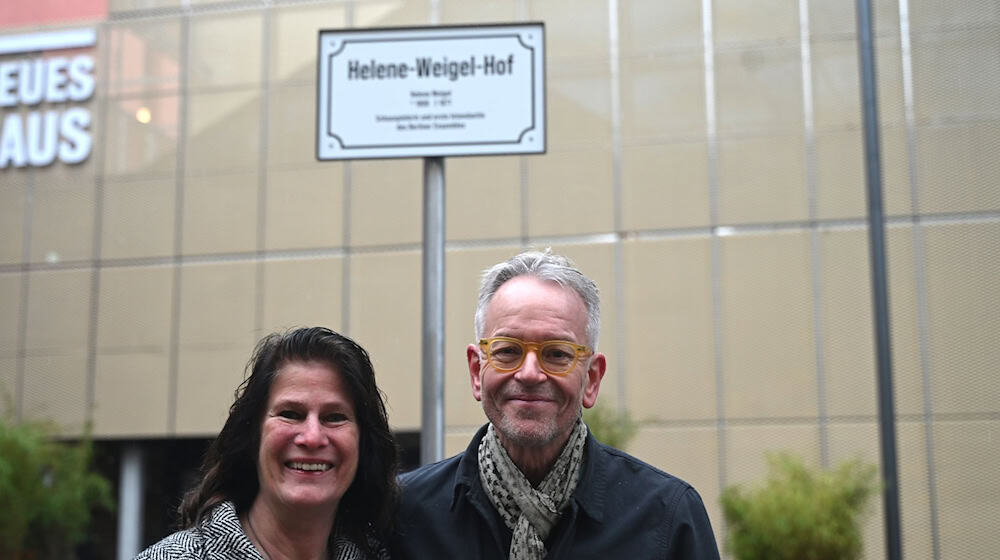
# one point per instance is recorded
(431, 91)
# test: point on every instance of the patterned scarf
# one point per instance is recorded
(529, 512)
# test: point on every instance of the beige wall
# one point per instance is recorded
(728, 235)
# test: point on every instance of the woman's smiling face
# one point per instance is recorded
(309, 440)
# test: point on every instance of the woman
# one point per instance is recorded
(305, 466)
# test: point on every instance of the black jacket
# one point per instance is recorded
(622, 508)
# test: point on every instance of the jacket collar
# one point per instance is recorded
(222, 533)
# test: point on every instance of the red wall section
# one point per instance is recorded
(20, 13)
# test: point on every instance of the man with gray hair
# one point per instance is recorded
(534, 483)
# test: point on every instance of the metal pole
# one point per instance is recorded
(130, 498)
(432, 411)
(880, 293)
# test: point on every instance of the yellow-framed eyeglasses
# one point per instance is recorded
(555, 357)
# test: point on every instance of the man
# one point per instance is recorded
(534, 483)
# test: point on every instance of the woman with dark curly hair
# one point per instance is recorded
(305, 466)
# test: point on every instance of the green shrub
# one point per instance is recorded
(610, 426)
(799, 513)
(47, 492)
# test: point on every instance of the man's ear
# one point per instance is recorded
(475, 370)
(593, 382)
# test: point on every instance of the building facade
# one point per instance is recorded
(161, 208)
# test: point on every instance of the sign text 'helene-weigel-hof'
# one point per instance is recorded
(440, 91)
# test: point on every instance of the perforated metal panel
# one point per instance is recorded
(705, 166)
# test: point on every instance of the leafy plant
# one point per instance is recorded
(799, 513)
(47, 491)
(610, 426)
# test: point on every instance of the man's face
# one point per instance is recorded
(532, 411)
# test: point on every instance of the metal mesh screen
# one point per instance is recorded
(707, 158)
(939, 97)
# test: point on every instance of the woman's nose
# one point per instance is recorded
(311, 434)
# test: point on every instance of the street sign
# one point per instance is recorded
(431, 91)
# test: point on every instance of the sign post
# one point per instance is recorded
(432, 411)
(431, 92)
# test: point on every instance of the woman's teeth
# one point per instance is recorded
(310, 466)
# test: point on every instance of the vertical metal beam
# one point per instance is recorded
(173, 359)
(346, 225)
(432, 411)
(816, 260)
(130, 502)
(22, 307)
(919, 273)
(880, 293)
(614, 45)
(263, 180)
(97, 249)
(712, 149)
